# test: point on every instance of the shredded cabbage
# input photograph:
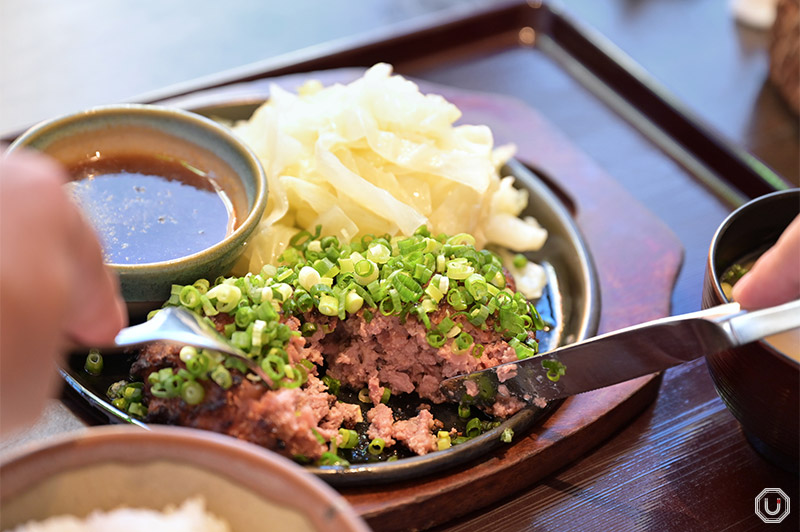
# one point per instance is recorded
(378, 156)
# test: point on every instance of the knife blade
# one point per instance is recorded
(621, 355)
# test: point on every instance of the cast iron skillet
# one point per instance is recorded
(570, 305)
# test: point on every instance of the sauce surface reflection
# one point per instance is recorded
(148, 209)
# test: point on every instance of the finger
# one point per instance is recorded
(34, 283)
(98, 309)
(30, 166)
(775, 277)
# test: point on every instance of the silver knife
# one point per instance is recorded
(622, 355)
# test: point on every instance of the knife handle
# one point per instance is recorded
(750, 326)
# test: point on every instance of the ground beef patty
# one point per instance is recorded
(388, 351)
(365, 350)
(284, 420)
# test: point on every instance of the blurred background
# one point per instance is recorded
(57, 57)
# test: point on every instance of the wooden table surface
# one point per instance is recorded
(683, 464)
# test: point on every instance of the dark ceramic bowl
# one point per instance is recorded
(758, 383)
(163, 132)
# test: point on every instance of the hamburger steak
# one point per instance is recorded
(427, 327)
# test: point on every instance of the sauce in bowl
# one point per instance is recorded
(150, 208)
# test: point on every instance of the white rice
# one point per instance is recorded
(191, 516)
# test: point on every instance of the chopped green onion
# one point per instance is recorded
(301, 238)
(555, 369)
(198, 365)
(477, 316)
(477, 351)
(387, 393)
(308, 329)
(318, 436)
(297, 375)
(366, 271)
(208, 307)
(244, 317)
(328, 305)
(522, 350)
(349, 438)
(538, 322)
(332, 459)
(121, 403)
(192, 392)
(376, 446)
(332, 384)
(443, 440)
(462, 239)
(353, 302)
(435, 339)
(202, 285)
(519, 261)
(227, 297)
(172, 385)
(363, 395)
(476, 286)
(474, 428)
(187, 352)
(456, 299)
(326, 267)
(158, 390)
(94, 362)
(273, 366)
(462, 342)
(459, 269)
(346, 265)
(189, 297)
(507, 435)
(378, 253)
(257, 333)
(407, 288)
(222, 377)
(132, 394)
(433, 291)
(308, 277)
(137, 409)
(116, 389)
(282, 291)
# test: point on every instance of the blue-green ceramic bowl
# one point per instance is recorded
(161, 131)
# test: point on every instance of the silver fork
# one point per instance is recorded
(180, 326)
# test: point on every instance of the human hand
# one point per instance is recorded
(55, 289)
(775, 276)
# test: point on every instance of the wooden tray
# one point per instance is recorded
(636, 261)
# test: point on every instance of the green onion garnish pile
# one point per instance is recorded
(407, 277)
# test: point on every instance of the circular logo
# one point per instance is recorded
(772, 505)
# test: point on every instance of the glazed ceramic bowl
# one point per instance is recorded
(758, 383)
(172, 134)
(104, 468)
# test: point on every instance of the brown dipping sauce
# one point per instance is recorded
(151, 209)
